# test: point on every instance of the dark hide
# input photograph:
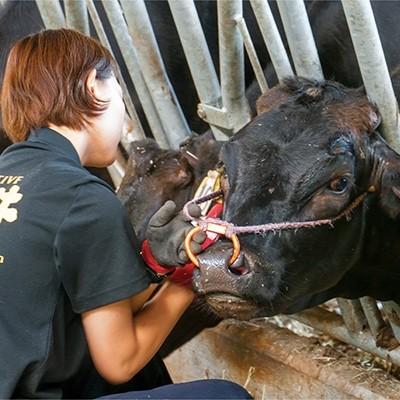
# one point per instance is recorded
(155, 176)
(307, 159)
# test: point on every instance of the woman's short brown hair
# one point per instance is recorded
(45, 81)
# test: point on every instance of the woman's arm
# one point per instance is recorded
(138, 301)
(121, 343)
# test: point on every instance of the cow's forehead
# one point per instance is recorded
(281, 146)
(306, 130)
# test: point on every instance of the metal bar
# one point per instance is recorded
(272, 39)
(120, 29)
(51, 13)
(374, 71)
(300, 38)
(331, 324)
(104, 40)
(4, 3)
(231, 58)
(77, 16)
(198, 57)
(154, 72)
(117, 171)
(374, 317)
(392, 311)
(353, 316)
(251, 52)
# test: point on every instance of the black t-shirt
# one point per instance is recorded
(66, 247)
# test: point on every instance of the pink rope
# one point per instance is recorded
(271, 227)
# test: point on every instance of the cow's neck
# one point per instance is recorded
(377, 273)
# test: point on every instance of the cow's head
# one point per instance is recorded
(309, 153)
(154, 176)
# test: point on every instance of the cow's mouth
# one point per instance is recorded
(230, 306)
(227, 287)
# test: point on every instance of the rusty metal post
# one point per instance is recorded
(272, 39)
(154, 72)
(392, 311)
(332, 324)
(352, 314)
(374, 71)
(199, 60)
(51, 13)
(120, 29)
(76, 15)
(374, 317)
(300, 38)
(139, 133)
(251, 52)
(117, 172)
(231, 56)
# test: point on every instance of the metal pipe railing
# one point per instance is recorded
(300, 39)
(199, 59)
(392, 311)
(373, 315)
(332, 324)
(231, 58)
(376, 78)
(76, 15)
(352, 314)
(252, 54)
(104, 40)
(121, 33)
(51, 13)
(272, 39)
(154, 72)
(372, 63)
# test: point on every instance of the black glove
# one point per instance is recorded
(166, 233)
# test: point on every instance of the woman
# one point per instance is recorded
(72, 283)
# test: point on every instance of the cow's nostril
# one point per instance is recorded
(239, 267)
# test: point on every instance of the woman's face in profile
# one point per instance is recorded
(107, 127)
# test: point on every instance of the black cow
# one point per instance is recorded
(313, 149)
(154, 176)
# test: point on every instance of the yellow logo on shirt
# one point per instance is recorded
(1, 259)
(7, 198)
(10, 179)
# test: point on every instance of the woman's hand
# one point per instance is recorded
(166, 234)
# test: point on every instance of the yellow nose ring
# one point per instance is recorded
(220, 230)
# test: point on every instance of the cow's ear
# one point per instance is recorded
(201, 151)
(271, 99)
(357, 116)
(387, 177)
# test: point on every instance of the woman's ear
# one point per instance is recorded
(91, 82)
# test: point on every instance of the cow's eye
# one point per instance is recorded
(339, 185)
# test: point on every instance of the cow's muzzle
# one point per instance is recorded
(223, 284)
